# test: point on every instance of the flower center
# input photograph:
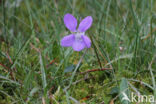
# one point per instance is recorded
(78, 36)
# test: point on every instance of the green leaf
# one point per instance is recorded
(69, 68)
(124, 92)
(114, 90)
(44, 82)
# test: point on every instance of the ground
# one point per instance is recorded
(36, 69)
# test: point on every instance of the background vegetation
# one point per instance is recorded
(35, 69)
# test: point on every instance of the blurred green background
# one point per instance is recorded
(35, 69)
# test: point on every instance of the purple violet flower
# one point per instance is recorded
(77, 40)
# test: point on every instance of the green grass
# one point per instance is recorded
(35, 69)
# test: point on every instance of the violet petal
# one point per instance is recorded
(86, 40)
(78, 45)
(70, 22)
(68, 40)
(85, 24)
